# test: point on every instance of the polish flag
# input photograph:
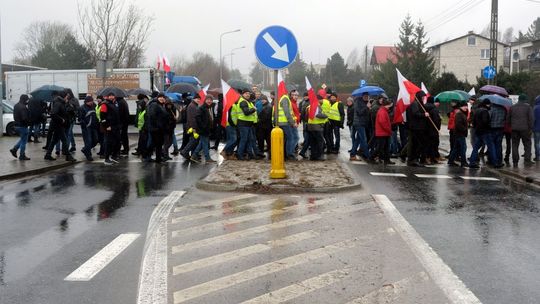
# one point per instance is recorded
(159, 61)
(423, 86)
(407, 91)
(202, 93)
(230, 96)
(282, 88)
(166, 64)
(313, 101)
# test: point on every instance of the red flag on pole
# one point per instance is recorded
(230, 96)
(282, 88)
(159, 60)
(407, 91)
(313, 101)
(202, 93)
(166, 64)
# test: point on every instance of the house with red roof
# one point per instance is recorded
(382, 54)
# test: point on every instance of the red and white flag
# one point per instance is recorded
(282, 88)
(166, 64)
(230, 96)
(407, 91)
(423, 86)
(313, 101)
(202, 93)
(159, 61)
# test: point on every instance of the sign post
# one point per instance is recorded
(276, 48)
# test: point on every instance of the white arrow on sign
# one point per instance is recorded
(280, 52)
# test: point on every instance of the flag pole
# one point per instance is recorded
(429, 117)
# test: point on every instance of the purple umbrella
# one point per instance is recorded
(494, 90)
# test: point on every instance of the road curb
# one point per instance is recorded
(265, 189)
(37, 171)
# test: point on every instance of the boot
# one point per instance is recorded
(175, 152)
(13, 152)
(23, 157)
(70, 158)
(49, 157)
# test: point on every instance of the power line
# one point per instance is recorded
(454, 14)
(533, 1)
(446, 12)
(458, 14)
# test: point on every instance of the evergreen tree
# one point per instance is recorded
(313, 76)
(256, 73)
(533, 33)
(67, 54)
(406, 45)
(422, 63)
(336, 70)
(297, 72)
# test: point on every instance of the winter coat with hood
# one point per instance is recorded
(156, 116)
(416, 119)
(482, 120)
(123, 111)
(536, 127)
(361, 113)
(21, 114)
(383, 125)
(59, 115)
(37, 109)
(204, 119)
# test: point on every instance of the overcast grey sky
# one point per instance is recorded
(322, 27)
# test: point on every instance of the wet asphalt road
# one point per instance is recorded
(51, 224)
(486, 231)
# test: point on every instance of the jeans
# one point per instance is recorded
(289, 140)
(34, 130)
(537, 145)
(231, 140)
(90, 138)
(70, 137)
(203, 145)
(359, 140)
(245, 134)
(460, 148)
(306, 142)
(296, 138)
(337, 137)
(394, 143)
(479, 141)
(525, 137)
(21, 144)
(497, 135)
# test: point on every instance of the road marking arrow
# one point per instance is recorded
(280, 52)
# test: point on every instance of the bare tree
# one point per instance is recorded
(39, 35)
(508, 35)
(115, 31)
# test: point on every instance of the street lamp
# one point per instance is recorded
(232, 53)
(220, 49)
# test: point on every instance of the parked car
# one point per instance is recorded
(8, 122)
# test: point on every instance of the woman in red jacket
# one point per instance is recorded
(383, 132)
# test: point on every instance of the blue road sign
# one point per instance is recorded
(489, 72)
(363, 83)
(276, 47)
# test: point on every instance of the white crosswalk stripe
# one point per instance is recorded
(262, 270)
(218, 202)
(242, 219)
(243, 252)
(387, 174)
(299, 289)
(202, 215)
(479, 178)
(265, 228)
(438, 176)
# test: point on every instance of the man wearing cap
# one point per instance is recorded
(460, 135)
(247, 118)
(157, 119)
(287, 122)
(21, 115)
(315, 129)
(521, 120)
(482, 125)
(417, 119)
(110, 124)
(191, 124)
(336, 118)
(89, 126)
(383, 131)
(359, 125)
(498, 115)
(58, 125)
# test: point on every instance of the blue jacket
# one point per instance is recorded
(536, 127)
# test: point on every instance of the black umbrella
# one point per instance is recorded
(239, 85)
(138, 91)
(118, 92)
(183, 88)
(45, 92)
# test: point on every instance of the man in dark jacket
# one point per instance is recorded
(58, 126)
(89, 126)
(110, 124)
(361, 121)
(219, 131)
(521, 120)
(21, 116)
(156, 119)
(482, 126)
(264, 124)
(417, 122)
(432, 134)
(204, 120)
(123, 111)
(460, 135)
(36, 108)
(191, 128)
(72, 108)
(498, 115)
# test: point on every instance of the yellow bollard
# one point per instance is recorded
(277, 155)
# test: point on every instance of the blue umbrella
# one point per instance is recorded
(176, 97)
(498, 100)
(371, 90)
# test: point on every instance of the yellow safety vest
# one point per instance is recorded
(235, 111)
(325, 108)
(282, 118)
(315, 120)
(140, 120)
(98, 112)
(251, 117)
(333, 112)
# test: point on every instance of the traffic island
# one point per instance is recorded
(302, 176)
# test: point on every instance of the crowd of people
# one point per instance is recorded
(249, 121)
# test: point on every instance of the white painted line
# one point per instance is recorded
(202, 215)
(264, 228)
(242, 252)
(387, 174)
(479, 178)
(390, 293)
(242, 219)
(101, 259)
(217, 202)
(454, 289)
(259, 271)
(433, 176)
(301, 288)
(153, 274)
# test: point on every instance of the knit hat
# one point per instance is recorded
(24, 98)
(523, 97)
(486, 102)
(88, 98)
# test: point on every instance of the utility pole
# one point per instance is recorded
(493, 38)
(365, 59)
(1, 84)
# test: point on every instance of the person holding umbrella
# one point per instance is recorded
(58, 125)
